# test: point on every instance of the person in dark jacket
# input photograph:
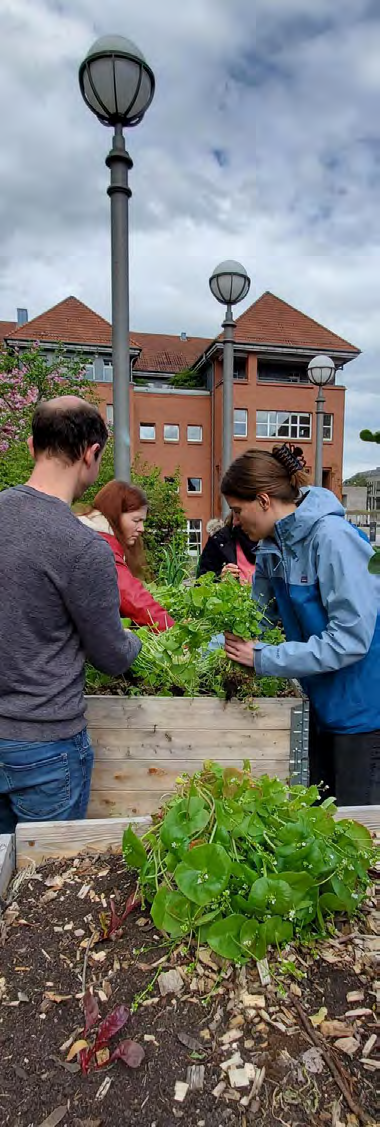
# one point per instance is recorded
(229, 551)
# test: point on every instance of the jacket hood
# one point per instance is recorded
(315, 504)
(97, 522)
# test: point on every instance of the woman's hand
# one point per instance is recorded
(240, 651)
(230, 569)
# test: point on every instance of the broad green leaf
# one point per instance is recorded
(349, 901)
(249, 938)
(171, 912)
(330, 903)
(223, 937)
(183, 821)
(133, 850)
(270, 893)
(228, 814)
(357, 833)
(204, 873)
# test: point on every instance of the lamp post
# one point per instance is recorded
(320, 371)
(229, 283)
(118, 86)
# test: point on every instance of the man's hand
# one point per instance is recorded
(230, 569)
(240, 651)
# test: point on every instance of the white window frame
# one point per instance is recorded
(194, 426)
(147, 426)
(197, 532)
(194, 492)
(292, 415)
(330, 436)
(109, 414)
(107, 368)
(244, 411)
(166, 426)
(90, 366)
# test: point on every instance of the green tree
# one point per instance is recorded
(370, 436)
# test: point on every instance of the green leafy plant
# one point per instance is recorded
(244, 864)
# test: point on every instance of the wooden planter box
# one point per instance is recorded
(142, 744)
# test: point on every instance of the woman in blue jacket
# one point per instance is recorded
(312, 575)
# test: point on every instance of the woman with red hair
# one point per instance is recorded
(119, 514)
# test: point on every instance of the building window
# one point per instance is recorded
(277, 371)
(147, 432)
(109, 414)
(172, 481)
(240, 423)
(240, 367)
(194, 485)
(328, 424)
(107, 371)
(171, 432)
(194, 434)
(89, 371)
(281, 424)
(194, 537)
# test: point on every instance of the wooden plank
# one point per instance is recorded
(40, 841)
(161, 776)
(161, 713)
(368, 816)
(7, 861)
(135, 743)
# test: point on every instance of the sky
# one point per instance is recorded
(262, 144)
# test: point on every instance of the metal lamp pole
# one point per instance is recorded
(320, 371)
(118, 86)
(229, 284)
(119, 163)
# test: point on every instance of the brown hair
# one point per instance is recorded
(116, 498)
(280, 474)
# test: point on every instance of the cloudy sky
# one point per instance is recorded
(262, 144)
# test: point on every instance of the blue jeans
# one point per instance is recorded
(41, 782)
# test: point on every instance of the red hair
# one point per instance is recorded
(114, 499)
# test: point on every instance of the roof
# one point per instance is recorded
(69, 322)
(6, 328)
(271, 321)
(163, 353)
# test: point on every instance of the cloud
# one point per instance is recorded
(262, 144)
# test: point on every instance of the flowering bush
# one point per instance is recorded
(27, 377)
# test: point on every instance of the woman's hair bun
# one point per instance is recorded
(291, 458)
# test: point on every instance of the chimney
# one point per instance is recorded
(183, 336)
(22, 316)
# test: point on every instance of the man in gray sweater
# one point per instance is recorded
(59, 604)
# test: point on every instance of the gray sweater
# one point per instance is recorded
(59, 604)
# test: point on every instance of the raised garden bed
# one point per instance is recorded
(141, 745)
(297, 1070)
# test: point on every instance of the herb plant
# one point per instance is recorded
(243, 864)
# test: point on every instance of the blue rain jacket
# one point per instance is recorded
(313, 577)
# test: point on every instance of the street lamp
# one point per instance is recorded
(118, 86)
(320, 371)
(229, 283)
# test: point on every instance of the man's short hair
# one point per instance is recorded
(66, 432)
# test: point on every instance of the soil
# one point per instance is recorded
(44, 936)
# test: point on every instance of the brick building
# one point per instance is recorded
(181, 427)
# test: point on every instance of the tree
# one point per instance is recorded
(370, 436)
(26, 378)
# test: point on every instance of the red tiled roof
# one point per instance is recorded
(162, 353)
(6, 328)
(71, 322)
(272, 321)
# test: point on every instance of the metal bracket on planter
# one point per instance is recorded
(299, 744)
